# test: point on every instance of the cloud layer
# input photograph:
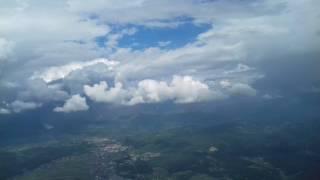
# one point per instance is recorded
(18, 106)
(78, 48)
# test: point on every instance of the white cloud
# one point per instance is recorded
(102, 93)
(4, 111)
(19, 106)
(60, 72)
(5, 49)
(54, 25)
(187, 90)
(164, 43)
(36, 35)
(237, 88)
(166, 13)
(239, 69)
(75, 103)
(56, 43)
(149, 91)
(180, 90)
(242, 89)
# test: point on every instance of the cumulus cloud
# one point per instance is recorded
(75, 103)
(186, 90)
(151, 91)
(102, 93)
(19, 106)
(182, 89)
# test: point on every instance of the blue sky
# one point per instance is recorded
(169, 38)
(178, 37)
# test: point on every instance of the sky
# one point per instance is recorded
(130, 52)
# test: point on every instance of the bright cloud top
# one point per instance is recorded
(60, 72)
(74, 104)
(181, 89)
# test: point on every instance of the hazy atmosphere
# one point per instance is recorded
(159, 89)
